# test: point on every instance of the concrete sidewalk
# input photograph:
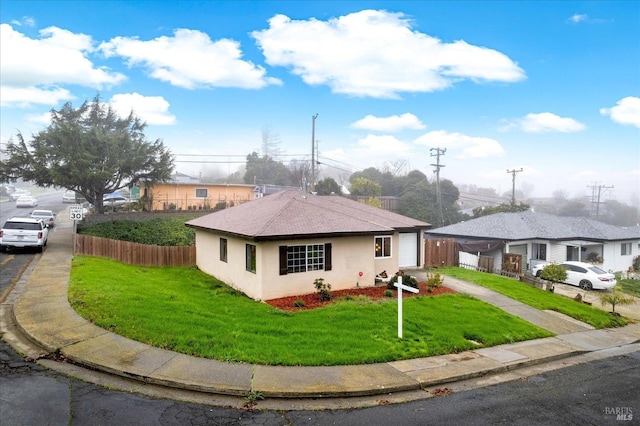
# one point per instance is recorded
(38, 308)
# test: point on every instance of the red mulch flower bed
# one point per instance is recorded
(312, 300)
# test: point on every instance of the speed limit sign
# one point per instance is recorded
(75, 213)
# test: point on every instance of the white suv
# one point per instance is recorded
(23, 232)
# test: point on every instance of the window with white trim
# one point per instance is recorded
(305, 258)
(382, 246)
(202, 192)
(625, 249)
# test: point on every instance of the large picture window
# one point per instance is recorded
(223, 249)
(251, 258)
(305, 258)
(383, 246)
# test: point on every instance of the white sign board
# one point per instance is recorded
(75, 213)
(401, 287)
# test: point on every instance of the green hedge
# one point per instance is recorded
(159, 232)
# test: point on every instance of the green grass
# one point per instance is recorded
(537, 298)
(631, 287)
(187, 311)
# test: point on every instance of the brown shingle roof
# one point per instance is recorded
(288, 214)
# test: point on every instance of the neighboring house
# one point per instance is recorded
(262, 190)
(183, 192)
(542, 237)
(278, 245)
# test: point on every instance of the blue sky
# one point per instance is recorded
(549, 87)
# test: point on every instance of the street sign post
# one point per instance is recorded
(75, 214)
(401, 287)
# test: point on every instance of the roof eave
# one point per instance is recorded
(280, 237)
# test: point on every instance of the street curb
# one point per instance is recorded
(40, 310)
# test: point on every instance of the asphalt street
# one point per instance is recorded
(597, 388)
(14, 262)
(591, 393)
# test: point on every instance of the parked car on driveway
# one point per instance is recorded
(27, 201)
(584, 275)
(47, 216)
(22, 232)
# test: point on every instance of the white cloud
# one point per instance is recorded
(190, 59)
(23, 97)
(34, 69)
(542, 123)
(578, 17)
(626, 111)
(367, 152)
(463, 146)
(382, 146)
(27, 21)
(377, 54)
(150, 109)
(392, 123)
(44, 118)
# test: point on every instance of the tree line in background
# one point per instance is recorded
(94, 151)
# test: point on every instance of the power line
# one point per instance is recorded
(351, 166)
(237, 155)
(334, 167)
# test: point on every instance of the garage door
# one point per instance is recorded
(408, 250)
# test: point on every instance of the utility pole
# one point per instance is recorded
(313, 152)
(438, 153)
(596, 192)
(513, 184)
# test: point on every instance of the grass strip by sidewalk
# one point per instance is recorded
(537, 298)
(187, 311)
(630, 286)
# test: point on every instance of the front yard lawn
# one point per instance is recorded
(536, 298)
(629, 286)
(187, 311)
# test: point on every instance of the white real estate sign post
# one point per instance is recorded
(75, 214)
(401, 287)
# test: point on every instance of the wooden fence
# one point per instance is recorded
(135, 253)
(440, 252)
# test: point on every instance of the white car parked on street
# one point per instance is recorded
(23, 232)
(47, 216)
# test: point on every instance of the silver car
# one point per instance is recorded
(47, 216)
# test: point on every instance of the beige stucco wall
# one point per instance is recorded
(233, 272)
(350, 256)
(183, 196)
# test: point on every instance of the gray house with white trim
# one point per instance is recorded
(545, 237)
